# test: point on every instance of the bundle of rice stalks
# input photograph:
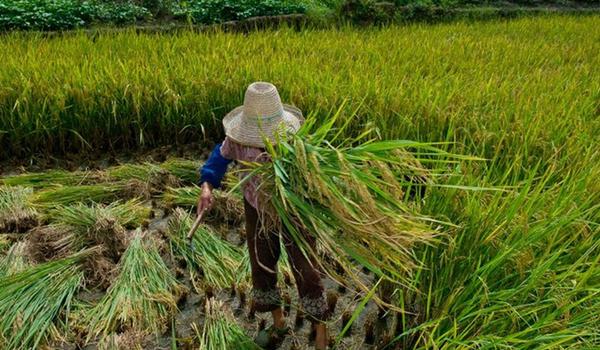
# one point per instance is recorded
(16, 212)
(79, 226)
(227, 207)
(183, 169)
(33, 300)
(51, 178)
(130, 214)
(15, 260)
(220, 331)
(349, 197)
(216, 259)
(147, 178)
(142, 297)
(65, 195)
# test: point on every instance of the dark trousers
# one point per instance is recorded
(264, 247)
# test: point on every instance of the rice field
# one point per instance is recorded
(94, 256)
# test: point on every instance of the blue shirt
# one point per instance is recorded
(215, 168)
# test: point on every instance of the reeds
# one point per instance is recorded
(36, 299)
(16, 211)
(217, 260)
(143, 296)
(220, 331)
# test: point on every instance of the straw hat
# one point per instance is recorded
(262, 116)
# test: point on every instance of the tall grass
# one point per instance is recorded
(15, 260)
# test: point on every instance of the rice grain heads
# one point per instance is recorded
(142, 297)
(35, 299)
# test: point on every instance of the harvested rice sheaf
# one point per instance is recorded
(220, 331)
(16, 211)
(227, 207)
(52, 178)
(80, 226)
(185, 170)
(350, 198)
(217, 260)
(147, 178)
(16, 259)
(36, 299)
(141, 298)
(66, 195)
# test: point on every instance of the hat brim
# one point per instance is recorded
(253, 134)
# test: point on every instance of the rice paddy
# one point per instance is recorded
(495, 214)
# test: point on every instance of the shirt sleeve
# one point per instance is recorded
(215, 167)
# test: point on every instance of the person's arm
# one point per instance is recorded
(211, 175)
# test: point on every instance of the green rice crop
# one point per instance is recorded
(217, 260)
(519, 268)
(15, 208)
(220, 330)
(35, 299)
(143, 296)
(469, 82)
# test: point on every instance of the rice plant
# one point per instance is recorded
(51, 178)
(66, 195)
(217, 260)
(142, 297)
(15, 260)
(183, 169)
(227, 207)
(130, 214)
(349, 198)
(220, 330)
(16, 211)
(35, 300)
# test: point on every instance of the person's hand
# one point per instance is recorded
(206, 199)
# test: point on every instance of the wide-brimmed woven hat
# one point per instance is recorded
(262, 116)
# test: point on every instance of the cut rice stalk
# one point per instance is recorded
(16, 259)
(149, 178)
(16, 212)
(350, 198)
(216, 259)
(33, 300)
(65, 195)
(51, 178)
(142, 297)
(185, 170)
(227, 207)
(129, 214)
(220, 331)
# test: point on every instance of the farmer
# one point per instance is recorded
(264, 116)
